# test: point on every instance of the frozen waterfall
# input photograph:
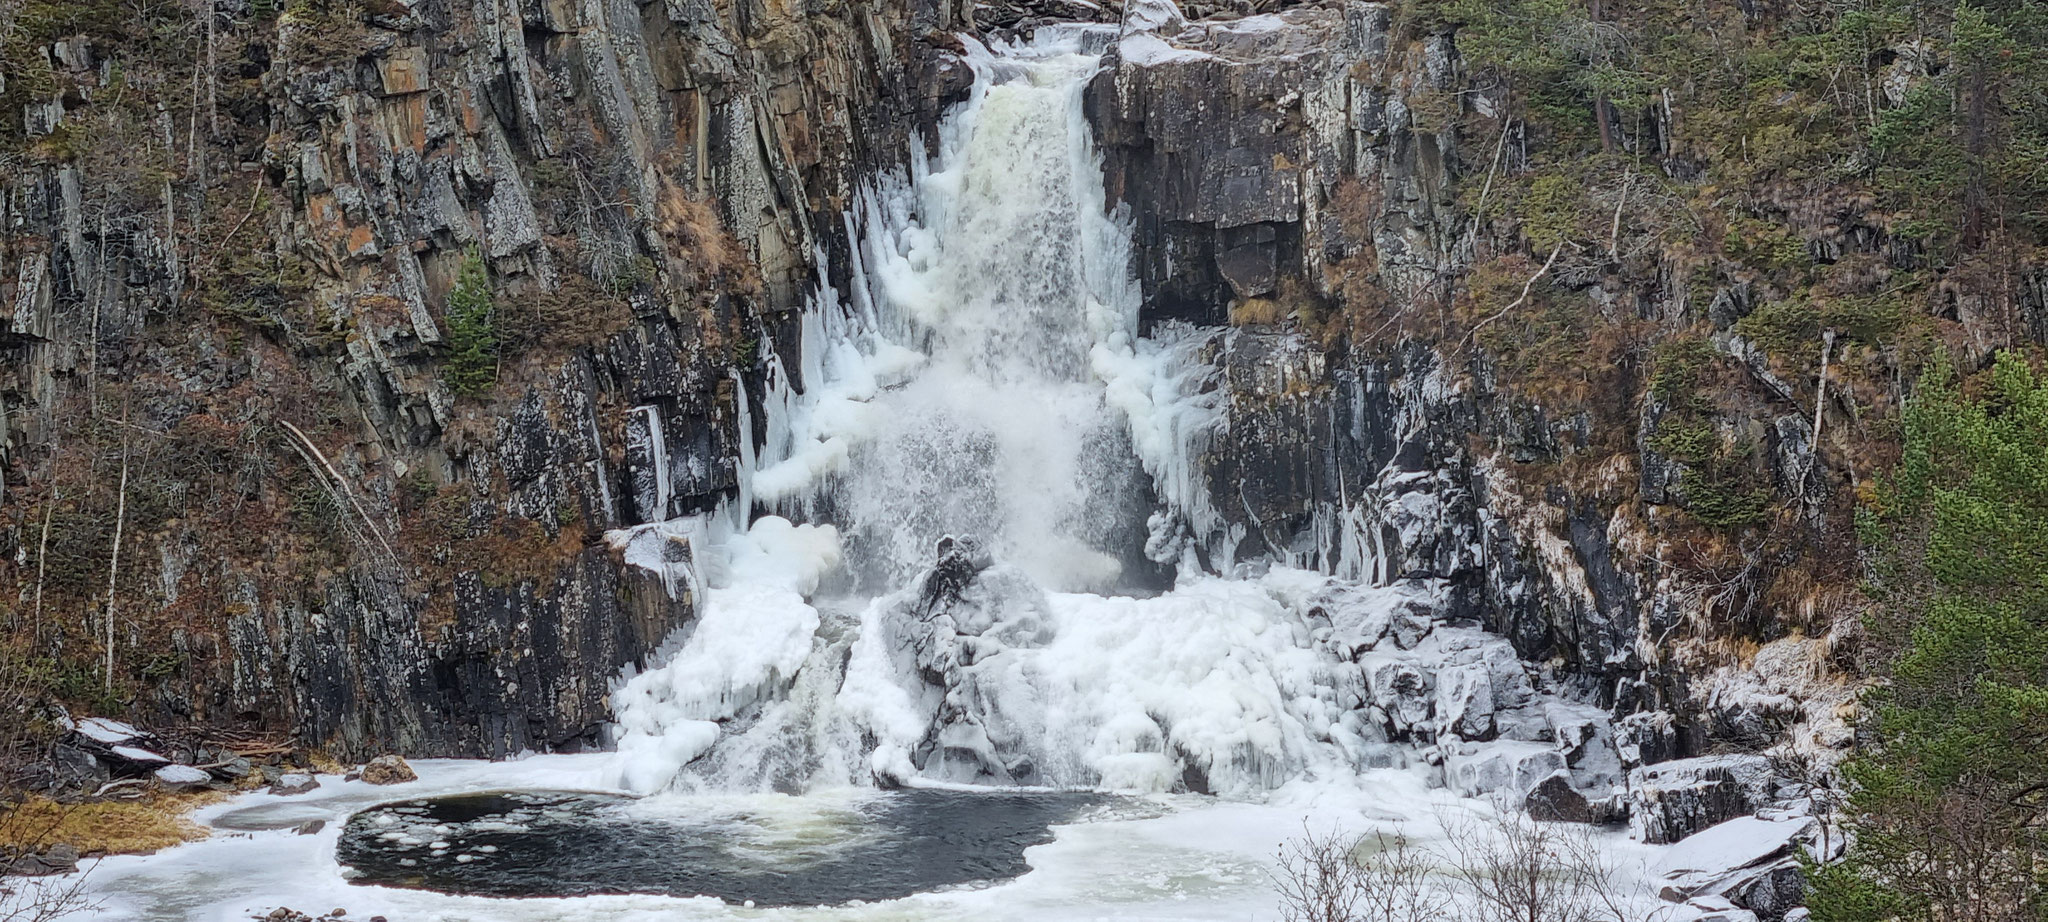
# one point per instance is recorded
(993, 467)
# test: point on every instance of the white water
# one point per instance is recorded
(983, 379)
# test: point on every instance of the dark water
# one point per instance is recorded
(773, 852)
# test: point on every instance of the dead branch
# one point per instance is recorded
(1524, 296)
(338, 487)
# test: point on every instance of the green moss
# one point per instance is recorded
(1793, 326)
(1677, 366)
(1691, 441)
(1551, 211)
(1722, 503)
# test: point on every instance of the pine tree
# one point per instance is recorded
(1949, 800)
(472, 365)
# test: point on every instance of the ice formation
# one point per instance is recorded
(1005, 463)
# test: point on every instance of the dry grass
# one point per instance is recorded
(109, 827)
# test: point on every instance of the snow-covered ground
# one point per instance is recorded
(1201, 858)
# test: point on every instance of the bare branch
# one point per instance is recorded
(1524, 296)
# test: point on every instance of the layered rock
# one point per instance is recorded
(226, 336)
(1295, 182)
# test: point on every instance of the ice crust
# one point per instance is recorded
(1177, 857)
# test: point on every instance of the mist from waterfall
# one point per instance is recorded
(981, 446)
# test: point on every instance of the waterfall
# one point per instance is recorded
(985, 454)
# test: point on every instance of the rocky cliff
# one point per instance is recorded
(1624, 414)
(237, 437)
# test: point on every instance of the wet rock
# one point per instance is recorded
(388, 769)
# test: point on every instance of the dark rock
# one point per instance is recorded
(57, 859)
(1670, 801)
(1771, 893)
(234, 769)
(1555, 799)
(437, 135)
(75, 767)
(309, 827)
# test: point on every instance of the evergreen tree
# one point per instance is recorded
(1948, 802)
(472, 365)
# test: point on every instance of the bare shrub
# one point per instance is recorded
(1500, 868)
(43, 899)
(1514, 869)
(26, 832)
(1375, 878)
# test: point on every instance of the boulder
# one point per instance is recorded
(234, 769)
(57, 859)
(75, 767)
(388, 769)
(1402, 697)
(1772, 893)
(1505, 766)
(1751, 862)
(293, 783)
(1555, 799)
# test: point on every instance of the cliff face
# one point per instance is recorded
(1603, 411)
(241, 421)
(228, 252)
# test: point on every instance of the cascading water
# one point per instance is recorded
(995, 448)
